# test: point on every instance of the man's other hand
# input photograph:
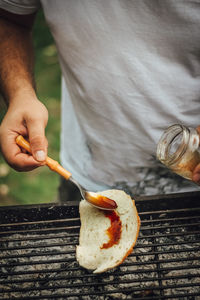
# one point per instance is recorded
(196, 172)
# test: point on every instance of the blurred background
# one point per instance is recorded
(38, 186)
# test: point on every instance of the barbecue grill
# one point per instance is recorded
(37, 250)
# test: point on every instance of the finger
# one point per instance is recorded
(37, 139)
(196, 174)
(14, 156)
(25, 162)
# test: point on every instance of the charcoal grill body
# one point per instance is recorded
(37, 253)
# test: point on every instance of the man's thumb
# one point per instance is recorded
(37, 140)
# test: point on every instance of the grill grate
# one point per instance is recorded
(37, 253)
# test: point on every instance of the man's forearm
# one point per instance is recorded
(16, 61)
(26, 115)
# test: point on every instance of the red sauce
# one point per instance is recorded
(100, 201)
(115, 229)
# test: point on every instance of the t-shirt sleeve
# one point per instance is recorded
(21, 7)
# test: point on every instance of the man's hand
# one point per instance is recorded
(29, 118)
(196, 172)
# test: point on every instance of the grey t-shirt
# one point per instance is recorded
(130, 69)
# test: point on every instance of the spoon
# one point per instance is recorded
(95, 199)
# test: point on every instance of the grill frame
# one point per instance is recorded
(52, 222)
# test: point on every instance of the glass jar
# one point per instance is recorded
(178, 149)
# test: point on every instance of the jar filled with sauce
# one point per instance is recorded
(178, 149)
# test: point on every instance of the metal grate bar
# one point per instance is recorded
(171, 226)
(69, 220)
(168, 244)
(170, 211)
(64, 260)
(95, 284)
(171, 234)
(49, 230)
(118, 273)
(169, 219)
(162, 261)
(192, 232)
(135, 289)
(75, 243)
(37, 246)
(64, 296)
(77, 220)
(93, 275)
(72, 220)
(72, 252)
(38, 238)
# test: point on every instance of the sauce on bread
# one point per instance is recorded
(115, 229)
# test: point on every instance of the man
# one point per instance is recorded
(129, 70)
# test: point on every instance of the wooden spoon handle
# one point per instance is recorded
(51, 163)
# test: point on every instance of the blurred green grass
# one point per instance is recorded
(38, 186)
